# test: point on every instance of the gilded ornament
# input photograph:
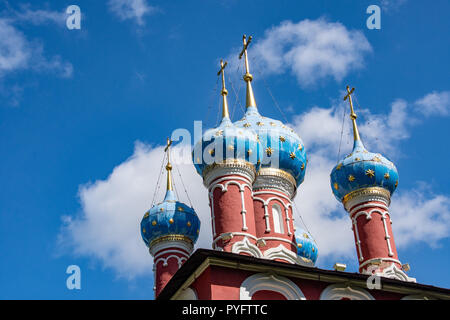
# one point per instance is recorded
(282, 139)
(246, 124)
(188, 223)
(153, 223)
(171, 221)
(351, 178)
(292, 155)
(336, 186)
(386, 175)
(269, 151)
(370, 173)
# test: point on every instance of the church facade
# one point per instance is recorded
(252, 169)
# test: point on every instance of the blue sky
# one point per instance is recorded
(83, 115)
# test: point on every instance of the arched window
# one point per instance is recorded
(277, 219)
(271, 287)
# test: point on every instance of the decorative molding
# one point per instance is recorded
(166, 259)
(417, 297)
(274, 182)
(378, 261)
(282, 253)
(365, 195)
(236, 167)
(339, 291)
(160, 246)
(270, 282)
(160, 253)
(245, 246)
(391, 272)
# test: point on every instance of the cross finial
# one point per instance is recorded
(348, 96)
(169, 165)
(225, 113)
(244, 52)
(250, 99)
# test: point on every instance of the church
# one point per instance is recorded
(252, 169)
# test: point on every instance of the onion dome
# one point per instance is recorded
(306, 246)
(282, 148)
(361, 168)
(226, 143)
(170, 219)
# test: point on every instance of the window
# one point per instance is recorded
(277, 219)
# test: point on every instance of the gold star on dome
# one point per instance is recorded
(180, 209)
(269, 151)
(188, 223)
(370, 173)
(161, 209)
(305, 236)
(219, 132)
(153, 223)
(171, 221)
(396, 183)
(386, 175)
(299, 245)
(230, 147)
(339, 166)
(259, 123)
(376, 159)
(282, 139)
(273, 124)
(292, 155)
(302, 166)
(143, 230)
(146, 214)
(336, 186)
(300, 147)
(357, 159)
(211, 151)
(246, 124)
(351, 178)
(249, 151)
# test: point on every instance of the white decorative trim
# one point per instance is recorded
(391, 272)
(245, 246)
(243, 211)
(160, 246)
(187, 294)
(230, 235)
(218, 172)
(282, 253)
(213, 218)
(339, 291)
(378, 261)
(274, 182)
(160, 253)
(166, 259)
(278, 239)
(366, 198)
(270, 282)
(279, 194)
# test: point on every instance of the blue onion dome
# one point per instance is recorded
(306, 246)
(170, 220)
(282, 147)
(226, 143)
(361, 168)
(170, 217)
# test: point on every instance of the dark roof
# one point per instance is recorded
(200, 255)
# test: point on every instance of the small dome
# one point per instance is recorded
(278, 142)
(362, 169)
(226, 143)
(306, 246)
(170, 217)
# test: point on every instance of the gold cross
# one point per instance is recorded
(246, 43)
(352, 113)
(222, 67)
(169, 143)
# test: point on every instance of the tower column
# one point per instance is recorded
(273, 190)
(232, 214)
(169, 254)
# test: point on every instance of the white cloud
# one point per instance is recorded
(36, 17)
(131, 10)
(107, 228)
(108, 225)
(15, 50)
(435, 103)
(312, 50)
(389, 5)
